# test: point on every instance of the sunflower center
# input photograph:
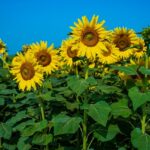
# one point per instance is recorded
(1, 46)
(89, 37)
(71, 53)
(139, 48)
(107, 53)
(44, 58)
(27, 71)
(123, 43)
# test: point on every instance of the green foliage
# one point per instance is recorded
(99, 112)
(139, 140)
(64, 124)
(71, 110)
(138, 98)
(121, 108)
(106, 134)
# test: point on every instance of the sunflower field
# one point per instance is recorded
(91, 93)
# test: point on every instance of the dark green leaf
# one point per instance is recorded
(77, 85)
(99, 112)
(22, 125)
(64, 124)
(108, 89)
(20, 95)
(112, 131)
(19, 116)
(42, 139)
(3, 86)
(46, 96)
(143, 70)
(8, 91)
(2, 101)
(91, 81)
(139, 140)
(129, 70)
(9, 146)
(37, 127)
(137, 97)
(5, 131)
(22, 145)
(120, 108)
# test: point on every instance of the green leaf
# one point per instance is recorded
(22, 125)
(144, 70)
(77, 85)
(99, 112)
(2, 101)
(42, 139)
(9, 146)
(20, 96)
(108, 89)
(64, 124)
(72, 106)
(3, 86)
(4, 72)
(8, 91)
(18, 117)
(5, 131)
(22, 145)
(122, 148)
(129, 70)
(46, 96)
(138, 98)
(111, 132)
(37, 127)
(120, 108)
(139, 140)
(91, 81)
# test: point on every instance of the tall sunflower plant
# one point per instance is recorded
(91, 93)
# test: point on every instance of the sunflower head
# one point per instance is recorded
(109, 56)
(26, 71)
(69, 52)
(124, 39)
(139, 48)
(2, 47)
(90, 36)
(45, 56)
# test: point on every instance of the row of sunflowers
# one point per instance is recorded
(88, 39)
(91, 93)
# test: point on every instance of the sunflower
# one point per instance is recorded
(2, 47)
(46, 56)
(109, 56)
(27, 72)
(124, 39)
(140, 48)
(69, 54)
(90, 36)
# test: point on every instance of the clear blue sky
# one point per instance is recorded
(28, 21)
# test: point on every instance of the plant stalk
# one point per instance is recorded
(143, 123)
(85, 118)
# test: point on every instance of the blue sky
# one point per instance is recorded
(27, 21)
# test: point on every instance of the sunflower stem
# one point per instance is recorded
(85, 118)
(146, 63)
(143, 123)
(77, 72)
(42, 111)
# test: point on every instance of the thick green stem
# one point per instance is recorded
(146, 63)
(42, 111)
(85, 118)
(143, 123)
(85, 130)
(77, 72)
